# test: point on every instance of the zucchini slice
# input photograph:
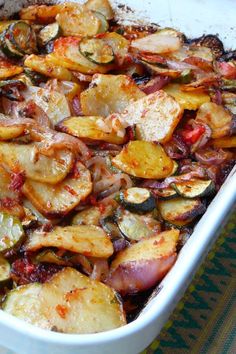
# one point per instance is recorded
(38, 167)
(96, 50)
(8, 48)
(137, 199)
(101, 6)
(24, 302)
(48, 256)
(104, 26)
(180, 211)
(88, 240)
(49, 33)
(5, 271)
(11, 232)
(22, 37)
(63, 197)
(194, 188)
(144, 159)
(136, 227)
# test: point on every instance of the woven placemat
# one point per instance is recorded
(204, 321)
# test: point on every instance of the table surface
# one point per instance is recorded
(204, 321)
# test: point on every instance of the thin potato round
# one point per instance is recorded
(87, 128)
(38, 167)
(8, 70)
(100, 100)
(102, 6)
(188, 100)
(43, 66)
(73, 303)
(226, 142)
(59, 200)
(144, 159)
(88, 240)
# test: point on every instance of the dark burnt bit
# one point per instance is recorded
(227, 56)
(210, 41)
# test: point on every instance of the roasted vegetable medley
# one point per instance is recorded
(113, 141)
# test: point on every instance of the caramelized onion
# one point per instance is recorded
(212, 156)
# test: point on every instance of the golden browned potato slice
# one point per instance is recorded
(226, 142)
(216, 117)
(144, 159)
(66, 53)
(79, 23)
(38, 167)
(180, 211)
(76, 304)
(44, 66)
(69, 302)
(109, 94)
(5, 180)
(188, 100)
(88, 240)
(7, 69)
(88, 128)
(102, 6)
(8, 131)
(60, 199)
(163, 41)
(155, 116)
(143, 264)
(92, 215)
(53, 103)
(46, 14)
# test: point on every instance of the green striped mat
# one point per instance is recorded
(204, 321)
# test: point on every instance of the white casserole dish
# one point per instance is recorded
(193, 17)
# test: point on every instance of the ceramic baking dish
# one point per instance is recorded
(193, 17)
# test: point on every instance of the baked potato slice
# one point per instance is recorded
(143, 264)
(80, 23)
(7, 69)
(119, 45)
(53, 103)
(191, 100)
(180, 211)
(217, 118)
(69, 302)
(88, 240)
(99, 99)
(88, 128)
(73, 303)
(155, 116)
(38, 167)
(226, 142)
(8, 131)
(44, 66)
(144, 159)
(60, 199)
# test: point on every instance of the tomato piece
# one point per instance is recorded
(227, 70)
(191, 135)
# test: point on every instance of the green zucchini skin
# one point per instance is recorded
(49, 33)
(127, 199)
(97, 51)
(8, 48)
(11, 232)
(194, 188)
(5, 272)
(26, 44)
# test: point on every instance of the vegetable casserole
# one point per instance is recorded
(114, 139)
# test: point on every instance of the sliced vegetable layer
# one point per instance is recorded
(88, 240)
(144, 159)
